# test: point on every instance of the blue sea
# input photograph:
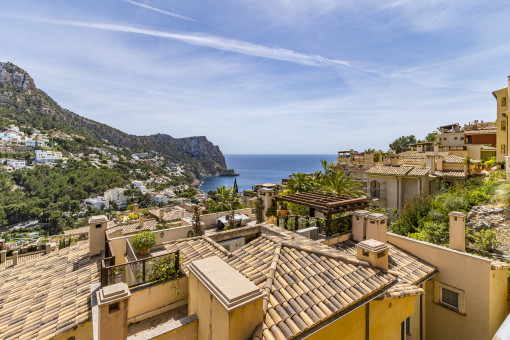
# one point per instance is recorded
(258, 169)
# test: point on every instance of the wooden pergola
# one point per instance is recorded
(325, 203)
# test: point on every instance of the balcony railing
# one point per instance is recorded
(134, 273)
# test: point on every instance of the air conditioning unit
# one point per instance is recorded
(312, 232)
(233, 244)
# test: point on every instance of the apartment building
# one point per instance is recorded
(502, 110)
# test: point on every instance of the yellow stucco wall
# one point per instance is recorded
(152, 300)
(472, 275)
(501, 136)
(186, 332)
(385, 318)
(82, 332)
(498, 293)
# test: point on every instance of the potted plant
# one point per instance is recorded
(284, 211)
(144, 241)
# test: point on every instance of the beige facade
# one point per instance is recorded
(502, 97)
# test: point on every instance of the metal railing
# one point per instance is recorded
(134, 273)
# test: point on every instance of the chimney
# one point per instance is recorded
(439, 163)
(118, 216)
(135, 208)
(373, 252)
(237, 302)
(14, 258)
(113, 302)
(457, 230)
(431, 164)
(386, 160)
(141, 218)
(393, 160)
(359, 225)
(50, 246)
(3, 255)
(161, 213)
(97, 234)
(376, 227)
(436, 149)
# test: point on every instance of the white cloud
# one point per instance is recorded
(219, 43)
(174, 15)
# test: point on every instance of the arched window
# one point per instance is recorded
(374, 189)
(503, 125)
(503, 149)
(503, 101)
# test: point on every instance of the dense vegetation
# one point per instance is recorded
(45, 193)
(426, 218)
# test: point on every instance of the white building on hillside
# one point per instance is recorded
(117, 195)
(98, 202)
(47, 156)
(16, 163)
(139, 185)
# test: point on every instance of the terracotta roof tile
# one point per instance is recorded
(450, 173)
(48, 295)
(398, 170)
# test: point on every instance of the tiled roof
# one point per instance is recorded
(454, 159)
(488, 147)
(47, 296)
(175, 214)
(450, 173)
(196, 248)
(413, 159)
(389, 170)
(409, 268)
(134, 227)
(21, 259)
(77, 231)
(304, 287)
(481, 132)
(418, 171)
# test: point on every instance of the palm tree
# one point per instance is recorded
(300, 182)
(468, 163)
(339, 183)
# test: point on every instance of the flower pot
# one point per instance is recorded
(145, 251)
(284, 212)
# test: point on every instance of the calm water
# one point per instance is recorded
(257, 169)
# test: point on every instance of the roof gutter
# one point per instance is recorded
(361, 303)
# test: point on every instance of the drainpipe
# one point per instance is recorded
(398, 192)
(506, 146)
(367, 321)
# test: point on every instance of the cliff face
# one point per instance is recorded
(23, 103)
(12, 75)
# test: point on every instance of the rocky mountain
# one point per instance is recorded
(23, 103)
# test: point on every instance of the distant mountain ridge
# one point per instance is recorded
(22, 102)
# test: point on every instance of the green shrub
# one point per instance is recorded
(486, 240)
(433, 232)
(410, 216)
(144, 240)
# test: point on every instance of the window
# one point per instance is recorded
(408, 326)
(455, 138)
(503, 149)
(449, 297)
(461, 138)
(503, 125)
(503, 101)
(375, 189)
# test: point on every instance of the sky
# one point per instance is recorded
(266, 76)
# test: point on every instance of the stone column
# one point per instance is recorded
(457, 230)
(113, 302)
(14, 258)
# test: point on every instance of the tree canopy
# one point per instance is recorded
(403, 143)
